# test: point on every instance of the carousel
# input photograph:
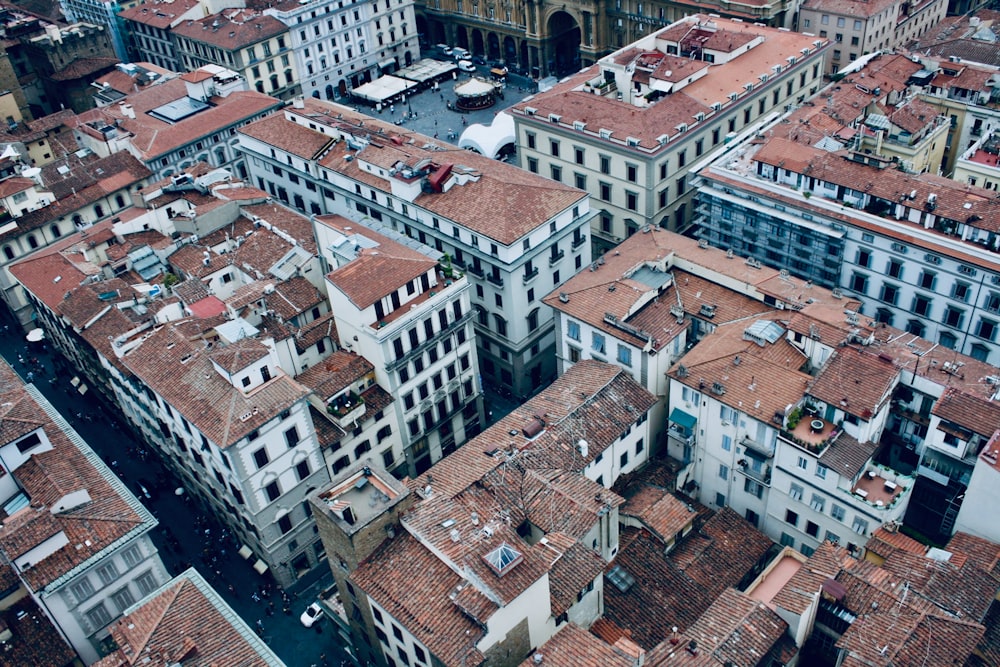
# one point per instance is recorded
(476, 94)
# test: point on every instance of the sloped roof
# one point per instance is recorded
(186, 622)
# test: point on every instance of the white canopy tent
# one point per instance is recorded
(489, 139)
(383, 89)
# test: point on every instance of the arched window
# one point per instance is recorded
(54, 230)
(120, 201)
(78, 220)
(501, 324)
(533, 320)
(8, 252)
(32, 241)
(99, 210)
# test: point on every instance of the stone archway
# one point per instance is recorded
(492, 46)
(524, 56)
(563, 44)
(478, 48)
(509, 50)
(461, 37)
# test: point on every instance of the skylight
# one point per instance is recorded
(503, 559)
(620, 578)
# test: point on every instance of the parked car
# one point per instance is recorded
(444, 48)
(311, 615)
(466, 66)
(460, 54)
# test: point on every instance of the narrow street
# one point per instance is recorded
(187, 535)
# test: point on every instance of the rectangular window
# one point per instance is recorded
(727, 443)
(817, 502)
(123, 598)
(624, 355)
(803, 463)
(787, 540)
(260, 457)
(292, 436)
(753, 488)
(821, 470)
(98, 616)
(791, 517)
(272, 491)
(573, 330)
(146, 583)
(795, 492)
(838, 512)
(597, 343)
(108, 573)
(82, 589)
(723, 471)
(860, 526)
(132, 556)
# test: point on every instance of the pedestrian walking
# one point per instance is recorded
(255, 597)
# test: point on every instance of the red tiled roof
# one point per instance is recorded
(232, 29)
(152, 138)
(158, 13)
(858, 381)
(376, 271)
(659, 511)
(422, 604)
(683, 584)
(198, 392)
(210, 306)
(526, 200)
(47, 477)
(574, 647)
(335, 373)
(186, 623)
(978, 414)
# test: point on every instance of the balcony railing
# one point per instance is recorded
(578, 242)
(528, 277)
(763, 475)
(681, 435)
(496, 279)
(749, 443)
(476, 270)
(428, 343)
(554, 259)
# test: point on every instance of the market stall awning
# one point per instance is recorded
(35, 335)
(260, 566)
(245, 552)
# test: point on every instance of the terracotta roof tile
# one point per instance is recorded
(735, 630)
(231, 29)
(34, 639)
(198, 391)
(973, 412)
(526, 199)
(335, 373)
(186, 622)
(884, 543)
(574, 647)
(376, 271)
(685, 582)
(859, 381)
(570, 101)
(46, 477)
(152, 138)
(659, 511)
(158, 13)
(800, 591)
(422, 604)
